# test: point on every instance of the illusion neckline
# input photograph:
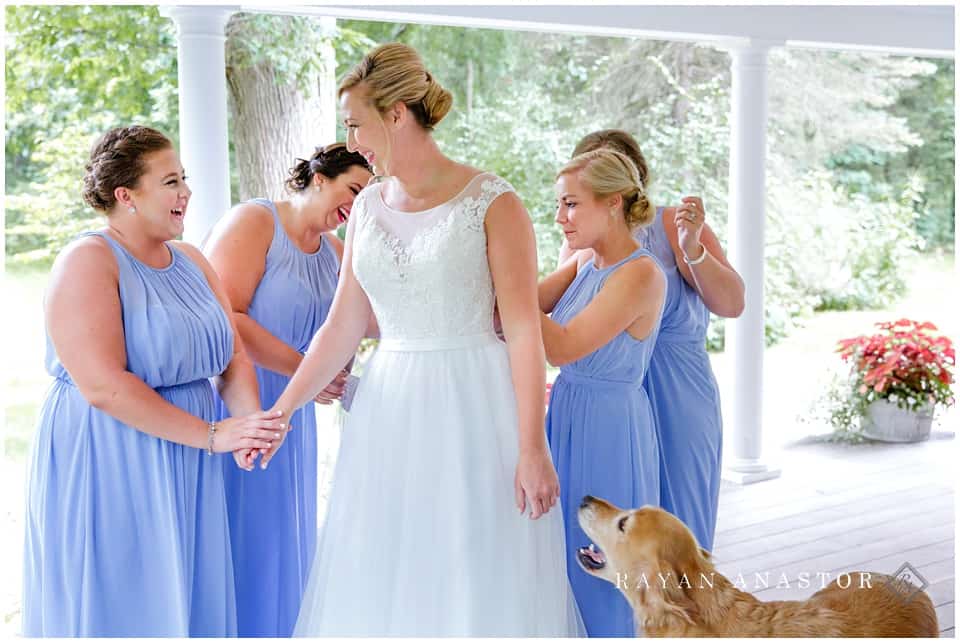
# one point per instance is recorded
(428, 210)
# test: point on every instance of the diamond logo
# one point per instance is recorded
(907, 582)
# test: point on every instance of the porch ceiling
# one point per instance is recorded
(923, 30)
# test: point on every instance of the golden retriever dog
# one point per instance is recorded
(675, 591)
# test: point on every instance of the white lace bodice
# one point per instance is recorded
(438, 283)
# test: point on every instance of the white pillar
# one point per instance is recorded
(201, 72)
(745, 335)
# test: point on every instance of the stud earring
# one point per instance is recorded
(133, 210)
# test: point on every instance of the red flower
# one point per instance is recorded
(903, 358)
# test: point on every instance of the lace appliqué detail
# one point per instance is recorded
(438, 284)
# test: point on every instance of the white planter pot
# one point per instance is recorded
(887, 422)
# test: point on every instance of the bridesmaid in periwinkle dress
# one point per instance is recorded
(680, 381)
(606, 305)
(279, 262)
(126, 523)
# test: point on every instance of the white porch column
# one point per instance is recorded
(745, 335)
(201, 72)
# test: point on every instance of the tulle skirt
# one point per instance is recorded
(422, 535)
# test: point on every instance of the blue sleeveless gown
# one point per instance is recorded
(273, 512)
(685, 399)
(603, 442)
(126, 533)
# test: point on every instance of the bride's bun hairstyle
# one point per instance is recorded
(393, 73)
(606, 172)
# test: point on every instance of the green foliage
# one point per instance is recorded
(284, 43)
(827, 249)
(860, 145)
(62, 68)
(926, 107)
(64, 87)
(840, 408)
(47, 213)
(528, 158)
(823, 102)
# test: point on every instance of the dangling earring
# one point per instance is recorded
(613, 213)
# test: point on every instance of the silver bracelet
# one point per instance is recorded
(693, 262)
(211, 431)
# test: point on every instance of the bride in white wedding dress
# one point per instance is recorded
(441, 518)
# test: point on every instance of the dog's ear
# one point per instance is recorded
(677, 598)
(687, 564)
(666, 600)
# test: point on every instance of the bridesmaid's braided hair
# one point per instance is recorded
(330, 161)
(118, 160)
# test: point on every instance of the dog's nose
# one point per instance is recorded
(586, 501)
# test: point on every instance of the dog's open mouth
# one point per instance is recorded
(591, 557)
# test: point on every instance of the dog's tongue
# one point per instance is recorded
(594, 553)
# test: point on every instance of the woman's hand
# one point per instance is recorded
(267, 454)
(334, 390)
(690, 218)
(256, 431)
(536, 482)
(246, 457)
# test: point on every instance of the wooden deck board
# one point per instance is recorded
(840, 508)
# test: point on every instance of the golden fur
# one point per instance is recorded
(655, 545)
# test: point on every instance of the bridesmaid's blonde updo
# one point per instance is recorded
(606, 172)
(393, 73)
(617, 140)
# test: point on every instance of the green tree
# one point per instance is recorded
(860, 146)
(280, 76)
(927, 108)
(62, 69)
(64, 87)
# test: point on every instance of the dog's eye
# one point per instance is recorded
(622, 522)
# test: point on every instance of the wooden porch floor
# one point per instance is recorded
(838, 508)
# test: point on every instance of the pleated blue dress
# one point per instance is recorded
(273, 512)
(126, 533)
(685, 399)
(603, 443)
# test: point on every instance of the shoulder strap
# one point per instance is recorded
(478, 201)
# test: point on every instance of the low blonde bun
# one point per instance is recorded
(394, 73)
(607, 172)
(436, 102)
(641, 212)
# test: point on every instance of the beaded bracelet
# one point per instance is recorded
(211, 431)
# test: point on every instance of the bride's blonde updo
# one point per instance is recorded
(606, 172)
(393, 73)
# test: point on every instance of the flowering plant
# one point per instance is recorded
(903, 363)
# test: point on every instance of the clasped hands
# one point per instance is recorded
(246, 457)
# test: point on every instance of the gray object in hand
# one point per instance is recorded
(349, 388)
